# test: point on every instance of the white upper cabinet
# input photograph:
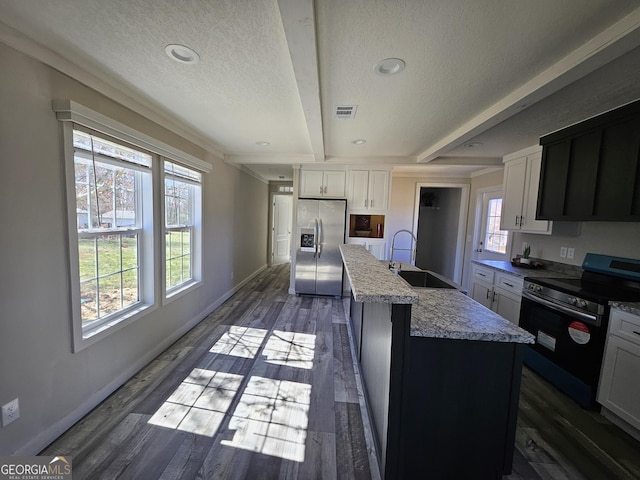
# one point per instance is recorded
(369, 190)
(323, 183)
(521, 179)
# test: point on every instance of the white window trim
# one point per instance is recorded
(148, 303)
(69, 113)
(196, 254)
(477, 229)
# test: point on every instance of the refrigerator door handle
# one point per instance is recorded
(320, 239)
(315, 238)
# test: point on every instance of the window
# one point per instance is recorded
(182, 218)
(116, 253)
(112, 186)
(495, 240)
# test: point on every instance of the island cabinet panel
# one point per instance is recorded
(460, 408)
(383, 339)
(591, 170)
(355, 315)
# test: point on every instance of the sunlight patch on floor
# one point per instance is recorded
(200, 402)
(291, 349)
(240, 342)
(271, 418)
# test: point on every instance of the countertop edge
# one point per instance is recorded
(386, 287)
(629, 307)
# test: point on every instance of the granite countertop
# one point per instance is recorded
(507, 267)
(371, 280)
(629, 307)
(444, 313)
(435, 312)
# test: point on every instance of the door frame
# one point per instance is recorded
(462, 220)
(478, 221)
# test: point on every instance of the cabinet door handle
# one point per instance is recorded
(517, 216)
(321, 190)
(481, 274)
(508, 284)
(487, 294)
(494, 297)
(365, 203)
(371, 204)
(637, 333)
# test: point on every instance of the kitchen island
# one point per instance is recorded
(441, 375)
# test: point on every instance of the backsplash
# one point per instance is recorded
(621, 239)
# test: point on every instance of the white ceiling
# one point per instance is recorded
(498, 72)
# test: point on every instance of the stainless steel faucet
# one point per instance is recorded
(414, 242)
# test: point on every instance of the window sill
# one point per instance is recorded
(89, 336)
(181, 291)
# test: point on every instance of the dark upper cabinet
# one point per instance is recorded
(591, 170)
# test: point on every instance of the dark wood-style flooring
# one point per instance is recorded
(266, 388)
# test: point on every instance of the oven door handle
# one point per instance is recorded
(592, 319)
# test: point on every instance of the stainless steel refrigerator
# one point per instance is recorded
(320, 229)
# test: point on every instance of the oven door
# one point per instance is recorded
(573, 344)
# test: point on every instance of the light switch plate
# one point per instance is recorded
(570, 252)
(563, 252)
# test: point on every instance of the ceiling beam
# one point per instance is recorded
(298, 20)
(613, 42)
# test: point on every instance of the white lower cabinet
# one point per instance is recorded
(498, 291)
(619, 388)
(378, 248)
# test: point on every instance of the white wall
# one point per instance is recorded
(609, 238)
(54, 385)
(403, 198)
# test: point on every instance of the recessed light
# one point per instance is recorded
(473, 144)
(182, 54)
(263, 143)
(359, 141)
(389, 66)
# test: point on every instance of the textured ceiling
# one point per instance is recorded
(498, 72)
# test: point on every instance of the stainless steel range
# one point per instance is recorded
(569, 317)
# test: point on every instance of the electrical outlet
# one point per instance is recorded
(10, 412)
(570, 252)
(563, 252)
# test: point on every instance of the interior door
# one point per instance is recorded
(281, 229)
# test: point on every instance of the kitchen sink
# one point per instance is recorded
(423, 279)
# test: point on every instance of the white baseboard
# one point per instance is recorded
(45, 438)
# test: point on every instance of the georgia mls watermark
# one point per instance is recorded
(35, 468)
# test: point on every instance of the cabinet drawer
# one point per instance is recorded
(509, 283)
(483, 274)
(625, 325)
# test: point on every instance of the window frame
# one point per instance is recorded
(172, 293)
(486, 222)
(483, 195)
(86, 335)
(74, 115)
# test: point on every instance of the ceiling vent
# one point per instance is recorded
(345, 111)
